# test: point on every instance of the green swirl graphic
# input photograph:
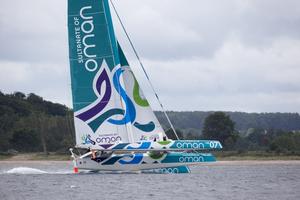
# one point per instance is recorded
(136, 95)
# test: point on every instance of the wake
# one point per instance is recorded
(32, 171)
(28, 170)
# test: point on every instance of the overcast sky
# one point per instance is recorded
(233, 55)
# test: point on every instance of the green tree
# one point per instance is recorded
(19, 95)
(288, 142)
(34, 124)
(242, 144)
(7, 121)
(259, 138)
(219, 126)
(25, 140)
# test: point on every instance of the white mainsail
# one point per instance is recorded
(146, 125)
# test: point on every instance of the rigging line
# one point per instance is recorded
(141, 64)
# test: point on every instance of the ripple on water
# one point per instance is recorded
(207, 182)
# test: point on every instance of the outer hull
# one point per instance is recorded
(142, 161)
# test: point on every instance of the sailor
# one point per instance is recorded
(93, 154)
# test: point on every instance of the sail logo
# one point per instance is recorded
(108, 139)
(84, 35)
(86, 139)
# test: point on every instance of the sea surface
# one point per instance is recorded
(222, 180)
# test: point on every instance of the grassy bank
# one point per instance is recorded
(35, 156)
(53, 156)
(5, 157)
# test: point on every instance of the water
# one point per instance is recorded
(223, 180)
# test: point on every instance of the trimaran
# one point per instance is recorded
(114, 122)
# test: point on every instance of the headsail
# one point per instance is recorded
(108, 105)
(145, 126)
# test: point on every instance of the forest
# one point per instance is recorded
(29, 123)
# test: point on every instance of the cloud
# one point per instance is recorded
(238, 78)
(49, 80)
(176, 29)
(33, 31)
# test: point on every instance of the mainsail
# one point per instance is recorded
(146, 125)
(109, 106)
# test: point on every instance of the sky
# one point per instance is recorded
(206, 55)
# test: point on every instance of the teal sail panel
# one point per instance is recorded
(91, 41)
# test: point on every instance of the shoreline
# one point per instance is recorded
(52, 157)
(36, 157)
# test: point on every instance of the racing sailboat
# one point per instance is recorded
(113, 119)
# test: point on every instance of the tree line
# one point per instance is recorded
(28, 123)
(220, 126)
(193, 122)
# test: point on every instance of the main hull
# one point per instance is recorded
(142, 161)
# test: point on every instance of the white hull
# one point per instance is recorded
(88, 164)
(139, 161)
